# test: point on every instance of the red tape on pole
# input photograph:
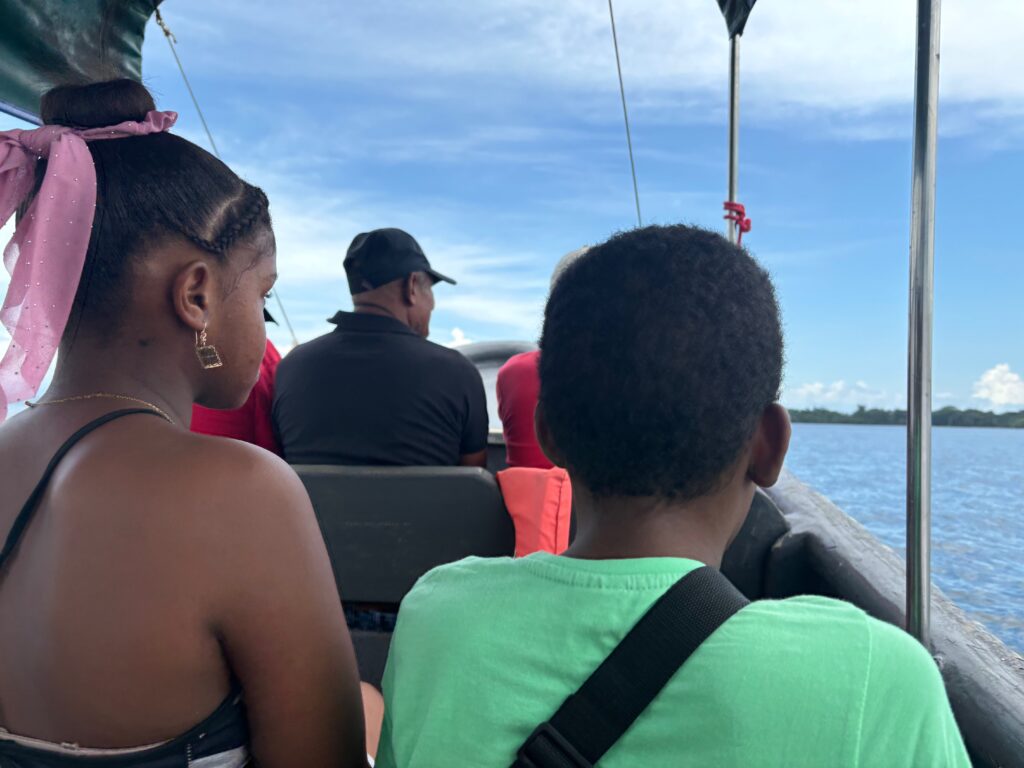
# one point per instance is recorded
(737, 213)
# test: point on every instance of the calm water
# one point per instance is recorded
(977, 506)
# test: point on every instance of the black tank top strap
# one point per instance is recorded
(25, 515)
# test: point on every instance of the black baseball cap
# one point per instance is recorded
(376, 258)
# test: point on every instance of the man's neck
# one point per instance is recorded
(377, 309)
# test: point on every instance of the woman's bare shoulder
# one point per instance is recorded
(245, 517)
(235, 477)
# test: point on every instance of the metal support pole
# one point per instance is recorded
(734, 128)
(919, 366)
(20, 113)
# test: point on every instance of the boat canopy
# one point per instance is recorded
(53, 42)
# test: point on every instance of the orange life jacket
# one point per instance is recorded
(540, 504)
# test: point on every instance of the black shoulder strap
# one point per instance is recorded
(25, 516)
(591, 720)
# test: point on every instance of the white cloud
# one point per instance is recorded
(516, 317)
(848, 59)
(1000, 386)
(459, 338)
(838, 395)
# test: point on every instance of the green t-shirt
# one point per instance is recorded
(486, 649)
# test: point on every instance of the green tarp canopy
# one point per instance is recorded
(44, 43)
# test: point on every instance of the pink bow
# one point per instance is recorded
(46, 254)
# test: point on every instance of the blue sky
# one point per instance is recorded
(493, 132)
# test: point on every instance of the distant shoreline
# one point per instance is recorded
(944, 417)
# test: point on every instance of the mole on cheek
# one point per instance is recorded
(144, 342)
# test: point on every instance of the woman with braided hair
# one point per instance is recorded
(165, 597)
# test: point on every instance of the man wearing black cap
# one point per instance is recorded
(375, 391)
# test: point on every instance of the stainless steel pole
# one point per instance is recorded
(20, 113)
(919, 366)
(734, 127)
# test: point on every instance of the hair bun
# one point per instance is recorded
(96, 105)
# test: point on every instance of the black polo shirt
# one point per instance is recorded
(374, 392)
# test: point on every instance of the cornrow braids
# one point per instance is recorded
(242, 217)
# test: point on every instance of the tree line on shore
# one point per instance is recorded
(944, 417)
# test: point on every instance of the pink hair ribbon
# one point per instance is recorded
(46, 254)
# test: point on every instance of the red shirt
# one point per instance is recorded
(250, 423)
(518, 389)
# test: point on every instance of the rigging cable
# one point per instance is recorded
(625, 115)
(171, 40)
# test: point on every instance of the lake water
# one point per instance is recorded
(977, 506)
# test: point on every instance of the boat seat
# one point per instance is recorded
(496, 455)
(746, 561)
(384, 527)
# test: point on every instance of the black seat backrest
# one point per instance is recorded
(386, 526)
(497, 458)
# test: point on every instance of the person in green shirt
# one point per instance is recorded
(660, 367)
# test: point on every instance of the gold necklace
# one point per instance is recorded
(159, 411)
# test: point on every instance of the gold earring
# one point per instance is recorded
(207, 353)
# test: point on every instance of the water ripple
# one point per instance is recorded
(977, 506)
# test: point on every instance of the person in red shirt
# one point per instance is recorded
(251, 423)
(518, 387)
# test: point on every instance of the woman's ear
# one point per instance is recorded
(769, 446)
(192, 293)
(544, 439)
